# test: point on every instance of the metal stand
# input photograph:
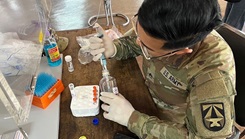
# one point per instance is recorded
(108, 12)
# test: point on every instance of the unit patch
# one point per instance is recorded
(213, 115)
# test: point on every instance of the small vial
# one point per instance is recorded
(71, 87)
(68, 60)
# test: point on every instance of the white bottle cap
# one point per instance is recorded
(68, 58)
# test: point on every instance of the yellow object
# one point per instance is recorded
(83, 137)
(40, 36)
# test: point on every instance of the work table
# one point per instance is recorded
(130, 83)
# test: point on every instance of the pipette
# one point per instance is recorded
(103, 61)
(102, 58)
(105, 72)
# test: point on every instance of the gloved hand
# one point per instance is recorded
(116, 108)
(101, 45)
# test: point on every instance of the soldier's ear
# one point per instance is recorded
(184, 51)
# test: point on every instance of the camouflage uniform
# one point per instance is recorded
(194, 93)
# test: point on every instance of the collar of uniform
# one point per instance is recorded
(178, 61)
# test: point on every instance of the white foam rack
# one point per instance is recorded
(85, 100)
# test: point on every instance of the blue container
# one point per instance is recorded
(52, 53)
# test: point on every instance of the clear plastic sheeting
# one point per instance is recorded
(21, 43)
(16, 54)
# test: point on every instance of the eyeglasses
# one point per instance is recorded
(143, 47)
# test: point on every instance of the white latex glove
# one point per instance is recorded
(101, 45)
(116, 108)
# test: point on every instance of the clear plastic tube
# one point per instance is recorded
(69, 64)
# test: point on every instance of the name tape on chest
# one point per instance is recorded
(173, 79)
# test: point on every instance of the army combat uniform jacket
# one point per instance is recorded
(194, 93)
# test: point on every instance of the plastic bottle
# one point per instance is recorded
(68, 60)
(51, 51)
(108, 83)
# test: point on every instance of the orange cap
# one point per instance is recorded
(95, 99)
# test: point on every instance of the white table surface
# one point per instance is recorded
(44, 123)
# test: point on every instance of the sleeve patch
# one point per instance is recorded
(213, 115)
